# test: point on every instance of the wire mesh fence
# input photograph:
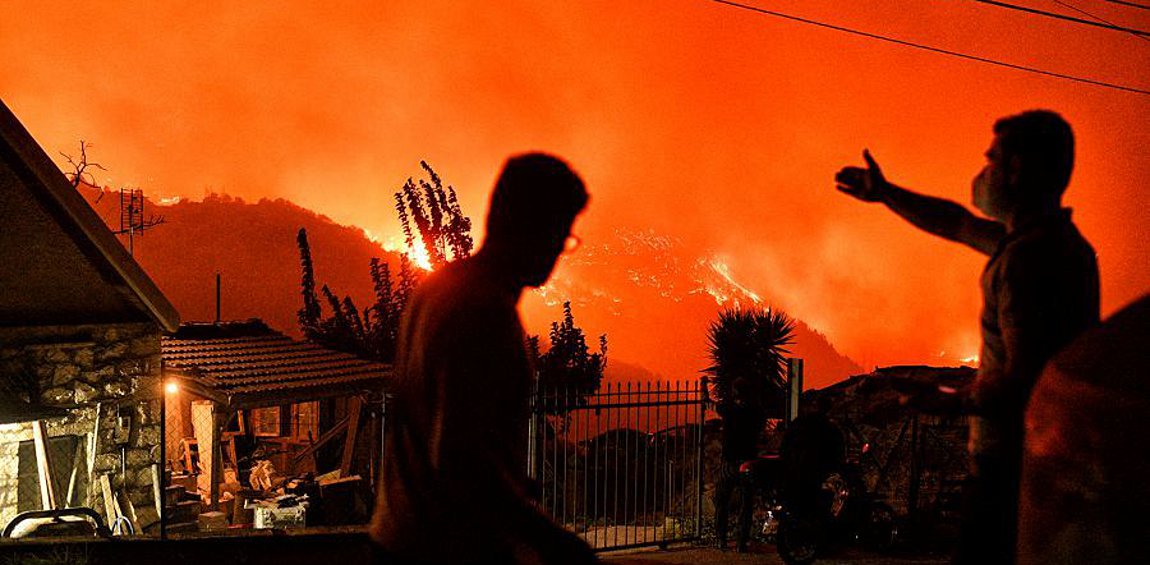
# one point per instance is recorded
(621, 466)
(28, 482)
(92, 470)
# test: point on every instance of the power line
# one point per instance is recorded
(1064, 17)
(1131, 4)
(1088, 14)
(934, 49)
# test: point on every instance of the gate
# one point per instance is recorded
(621, 466)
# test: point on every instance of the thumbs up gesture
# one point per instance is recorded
(867, 184)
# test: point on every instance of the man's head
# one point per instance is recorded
(1028, 164)
(535, 201)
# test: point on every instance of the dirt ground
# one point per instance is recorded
(759, 555)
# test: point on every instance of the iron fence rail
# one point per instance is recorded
(621, 466)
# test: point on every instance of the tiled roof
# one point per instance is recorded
(248, 364)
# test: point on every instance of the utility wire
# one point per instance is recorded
(933, 49)
(1064, 17)
(1131, 4)
(1090, 15)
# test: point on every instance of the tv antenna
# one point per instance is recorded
(132, 219)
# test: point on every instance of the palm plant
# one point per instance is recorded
(751, 344)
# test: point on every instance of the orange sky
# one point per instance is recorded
(712, 124)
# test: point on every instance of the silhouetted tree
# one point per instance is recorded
(750, 343)
(568, 364)
(444, 231)
(446, 234)
(309, 315)
(79, 173)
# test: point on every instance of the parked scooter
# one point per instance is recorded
(816, 501)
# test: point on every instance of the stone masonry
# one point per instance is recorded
(96, 372)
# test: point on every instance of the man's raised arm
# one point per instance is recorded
(938, 216)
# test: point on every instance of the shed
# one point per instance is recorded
(238, 389)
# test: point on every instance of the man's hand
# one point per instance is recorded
(866, 184)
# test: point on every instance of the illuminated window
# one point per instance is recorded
(266, 421)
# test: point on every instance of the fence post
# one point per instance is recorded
(701, 396)
(794, 387)
(533, 429)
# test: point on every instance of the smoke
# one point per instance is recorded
(717, 127)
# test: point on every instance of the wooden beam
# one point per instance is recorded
(323, 439)
(44, 465)
(110, 513)
(353, 410)
(219, 419)
(77, 459)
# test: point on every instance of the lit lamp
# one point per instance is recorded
(171, 387)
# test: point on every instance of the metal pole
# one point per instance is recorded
(163, 454)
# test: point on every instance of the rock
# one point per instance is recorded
(57, 395)
(106, 462)
(57, 356)
(139, 458)
(114, 351)
(103, 374)
(149, 436)
(144, 479)
(84, 358)
(117, 389)
(145, 346)
(85, 392)
(64, 374)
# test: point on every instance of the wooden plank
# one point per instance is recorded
(110, 505)
(77, 459)
(157, 496)
(323, 439)
(219, 420)
(44, 466)
(353, 411)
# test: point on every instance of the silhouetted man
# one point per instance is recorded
(744, 417)
(454, 486)
(1040, 290)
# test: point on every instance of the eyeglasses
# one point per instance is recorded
(572, 243)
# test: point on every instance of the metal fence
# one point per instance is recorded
(621, 466)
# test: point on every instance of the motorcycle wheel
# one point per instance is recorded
(881, 529)
(798, 541)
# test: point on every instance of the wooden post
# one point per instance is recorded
(44, 465)
(353, 410)
(219, 419)
(110, 505)
(77, 460)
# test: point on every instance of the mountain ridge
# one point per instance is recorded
(644, 290)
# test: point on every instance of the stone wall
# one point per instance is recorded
(96, 372)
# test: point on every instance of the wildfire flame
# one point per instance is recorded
(396, 244)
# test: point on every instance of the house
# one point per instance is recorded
(239, 393)
(80, 328)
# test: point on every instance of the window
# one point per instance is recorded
(266, 422)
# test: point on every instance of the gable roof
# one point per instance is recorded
(51, 229)
(248, 365)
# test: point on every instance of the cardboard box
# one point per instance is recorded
(280, 518)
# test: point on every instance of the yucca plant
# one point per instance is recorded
(753, 344)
